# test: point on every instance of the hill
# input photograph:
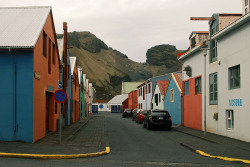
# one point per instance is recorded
(106, 68)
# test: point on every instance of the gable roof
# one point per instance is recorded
(21, 26)
(119, 99)
(128, 87)
(79, 74)
(163, 86)
(72, 64)
(177, 77)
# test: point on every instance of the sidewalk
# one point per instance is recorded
(82, 137)
(215, 145)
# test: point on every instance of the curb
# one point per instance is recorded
(208, 140)
(222, 158)
(54, 156)
(191, 148)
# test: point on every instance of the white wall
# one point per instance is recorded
(233, 49)
(105, 108)
(161, 103)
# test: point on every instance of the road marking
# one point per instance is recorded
(222, 158)
(54, 156)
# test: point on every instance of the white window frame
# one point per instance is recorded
(230, 119)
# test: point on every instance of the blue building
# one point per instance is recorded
(173, 98)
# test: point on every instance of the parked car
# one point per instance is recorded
(157, 118)
(127, 113)
(140, 116)
(135, 112)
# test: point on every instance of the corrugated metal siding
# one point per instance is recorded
(21, 27)
(16, 96)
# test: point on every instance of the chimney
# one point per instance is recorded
(65, 46)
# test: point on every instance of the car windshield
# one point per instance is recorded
(144, 112)
(128, 110)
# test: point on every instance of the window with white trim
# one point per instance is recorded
(234, 77)
(230, 119)
(213, 91)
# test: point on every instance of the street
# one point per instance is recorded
(131, 145)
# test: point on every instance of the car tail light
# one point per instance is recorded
(150, 118)
(169, 119)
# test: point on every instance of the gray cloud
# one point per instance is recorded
(133, 26)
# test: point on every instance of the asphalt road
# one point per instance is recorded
(133, 145)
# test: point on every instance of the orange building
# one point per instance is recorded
(28, 49)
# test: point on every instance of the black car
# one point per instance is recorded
(135, 113)
(157, 118)
(127, 113)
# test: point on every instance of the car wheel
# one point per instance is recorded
(148, 127)
(123, 116)
(144, 125)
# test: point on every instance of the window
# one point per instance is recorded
(213, 54)
(143, 93)
(149, 88)
(186, 87)
(193, 42)
(75, 82)
(234, 77)
(246, 2)
(53, 53)
(198, 85)
(44, 44)
(230, 119)
(55, 107)
(49, 58)
(159, 97)
(172, 95)
(156, 99)
(213, 93)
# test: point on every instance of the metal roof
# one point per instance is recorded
(72, 64)
(21, 26)
(128, 87)
(119, 99)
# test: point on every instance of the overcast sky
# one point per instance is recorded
(133, 26)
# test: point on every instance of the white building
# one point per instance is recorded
(146, 91)
(159, 93)
(233, 79)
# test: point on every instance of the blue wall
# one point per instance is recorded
(16, 95)
(175, 108)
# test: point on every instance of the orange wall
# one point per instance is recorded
(132, 100)
(75, 97)
(40, 86)
(192, 107)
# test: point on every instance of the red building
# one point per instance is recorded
(133, 99)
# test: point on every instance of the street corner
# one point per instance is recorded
(222, 158)
(55, 156)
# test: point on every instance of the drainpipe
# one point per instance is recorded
(205, 115)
